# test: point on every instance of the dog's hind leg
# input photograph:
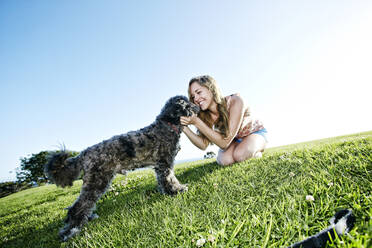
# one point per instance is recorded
(167, 181)
(94, 186)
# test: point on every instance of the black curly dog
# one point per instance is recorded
(155, 145)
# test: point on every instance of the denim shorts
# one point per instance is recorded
(261, 132)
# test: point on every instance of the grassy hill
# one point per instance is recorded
(256, 203)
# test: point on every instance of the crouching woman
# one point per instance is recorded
(224, 121)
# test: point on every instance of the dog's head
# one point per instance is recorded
(176, 107)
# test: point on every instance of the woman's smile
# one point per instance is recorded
(200, 103)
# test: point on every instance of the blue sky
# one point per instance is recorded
(79, 72)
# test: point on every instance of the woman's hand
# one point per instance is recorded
(188, 120)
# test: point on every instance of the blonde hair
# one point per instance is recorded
(222, 123)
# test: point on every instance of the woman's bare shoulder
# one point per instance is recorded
(234, 98)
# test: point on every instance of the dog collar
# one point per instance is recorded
(174, 127)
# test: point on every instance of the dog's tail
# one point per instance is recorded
(62, 169)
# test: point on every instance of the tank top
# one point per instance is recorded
(249, 124)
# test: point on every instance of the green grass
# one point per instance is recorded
(256, 203)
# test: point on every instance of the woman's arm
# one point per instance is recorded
(195, 139)
(236, 113)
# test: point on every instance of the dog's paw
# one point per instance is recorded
(179, 189)
(68, 232)
(183, 188)
(93, 217)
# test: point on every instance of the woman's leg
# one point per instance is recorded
(225, 157)
(251, 146)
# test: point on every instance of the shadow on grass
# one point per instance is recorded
(130, 196)
(189, 175)
(47, 235)
(31, 236)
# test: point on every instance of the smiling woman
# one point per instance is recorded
(224, 121)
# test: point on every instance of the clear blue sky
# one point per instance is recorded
(79, 72)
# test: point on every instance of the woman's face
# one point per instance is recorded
(201, 95)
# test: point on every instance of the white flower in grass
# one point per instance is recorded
(215, 185)
(200, 242)
(309, 198)
(211, 238)
(330, 184)
(291, 174)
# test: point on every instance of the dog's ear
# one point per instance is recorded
(175, 112)
(169, 112)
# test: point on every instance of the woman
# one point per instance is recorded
(224, 121)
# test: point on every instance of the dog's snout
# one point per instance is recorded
(195, 108)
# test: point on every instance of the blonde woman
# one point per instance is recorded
(224, 121)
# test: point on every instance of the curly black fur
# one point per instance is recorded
(62, 163)
(155, 145)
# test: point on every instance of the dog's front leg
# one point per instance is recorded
(167, 181)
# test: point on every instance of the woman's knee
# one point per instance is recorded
(240, 155)
(224, 160)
